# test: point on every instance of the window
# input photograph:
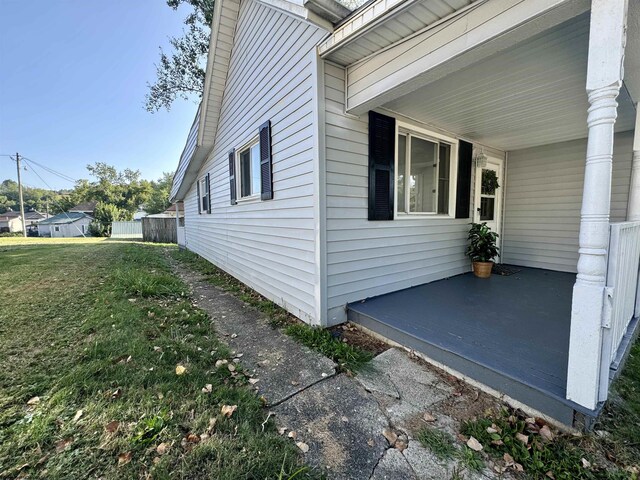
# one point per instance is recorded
(56, 229)
(82, 228)
(248, 159)
(203, 189)
(423, 174)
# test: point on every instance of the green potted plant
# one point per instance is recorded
(482, 249)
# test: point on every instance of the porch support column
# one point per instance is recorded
(589, 306)
(633, 210)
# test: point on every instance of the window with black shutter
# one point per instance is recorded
(232, 176)
(382, 132)
(198, 196)
(208, 180)
(266, 170)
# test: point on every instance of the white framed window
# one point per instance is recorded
(56, 229)
(203, 189)
(248, 170)
(425, 172)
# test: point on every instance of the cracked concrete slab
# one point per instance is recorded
(342, 425)
(393, 466)
(426, 465)
(282, 366)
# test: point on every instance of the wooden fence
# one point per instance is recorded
(159, 230)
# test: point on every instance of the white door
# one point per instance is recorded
(488, 201)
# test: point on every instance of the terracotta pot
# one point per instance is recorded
(482, 269)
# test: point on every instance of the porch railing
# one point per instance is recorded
(622, 282)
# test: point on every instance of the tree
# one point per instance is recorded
(34, 198)
(103, 216)
(180, 74)
(159, 199)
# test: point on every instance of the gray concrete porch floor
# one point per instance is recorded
(516, 326)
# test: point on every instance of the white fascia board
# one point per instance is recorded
(297, 10)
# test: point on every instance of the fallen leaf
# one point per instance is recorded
(508, 460)
(390, 435)
(219, 363)
(117, 393)
(474, 444)
(523, 438)
(427, 417)
(62, 444)
(585, 463)
(234, 335)
(227, 410)
(401, 445)
(180, 370)
(33, 401)
(519, 468)
(193, 438)
(344, 419)
(231, 367)
(491, 430)
(530, 420)
(124, 458)
(292, 434)
(253, 381)
(208, 388)
(302, 446)
(157, 349)
(550, 475)
(77, 416)
(162, 448)
(281, 430)
(112, 426)
(370, 442)
(546, 433)
(212, 424)
(204, 436)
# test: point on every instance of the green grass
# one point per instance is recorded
(563, 456)
(95, 329)
(348, 357)
(442, 444)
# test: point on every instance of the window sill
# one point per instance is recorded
(251, 199)
(413, 216)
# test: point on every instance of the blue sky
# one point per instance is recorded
(73, 76)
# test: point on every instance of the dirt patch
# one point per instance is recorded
(357, 338)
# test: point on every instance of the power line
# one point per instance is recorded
(64, 176)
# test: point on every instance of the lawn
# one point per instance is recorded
(108, 371)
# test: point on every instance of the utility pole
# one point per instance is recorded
(24, 223)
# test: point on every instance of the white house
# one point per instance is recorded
(11, 221)
(66, 224)
(339, 156)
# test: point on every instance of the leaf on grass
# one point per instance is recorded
(231, 367)
(253, 381)
(162, 448)
(549, 474)
(208, 388)
(180, 370)
(474, 444)
(585, 463)
(302, 446)
(212, 424)
(508, 460)
(281, 430)
(522, 438)
(219, 363)
(124, 458)
(546, 433)
(77, 416)
(227, 410)
(112, 426)
(192, 438)
(427, 417)
(117, 393)
(62, 444)
(292, 434)
(33, 401)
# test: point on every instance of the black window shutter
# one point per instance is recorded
(463, 190)
(266, 170)
(208, 194)
(382, 147)
(232, 176)
(199, 197)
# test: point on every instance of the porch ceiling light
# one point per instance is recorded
(481, 159)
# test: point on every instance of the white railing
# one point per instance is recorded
(622, 287)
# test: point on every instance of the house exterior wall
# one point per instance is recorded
(269, 245)
(544, 197)
(368, 258)
(66, 229)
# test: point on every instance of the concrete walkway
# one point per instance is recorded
(359, 427)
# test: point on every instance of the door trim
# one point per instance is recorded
(500, 197)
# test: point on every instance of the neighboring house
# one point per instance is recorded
(66, 224)
(85, 207)
(338, 156)
(11, 221)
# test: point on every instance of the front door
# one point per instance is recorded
(489, 194)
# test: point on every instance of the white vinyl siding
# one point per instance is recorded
(368, 258)
(544, 197)
(269, 245)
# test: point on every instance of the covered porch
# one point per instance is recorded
(510, 77)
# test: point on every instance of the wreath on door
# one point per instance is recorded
(489, 182)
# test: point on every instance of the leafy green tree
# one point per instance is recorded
(180, 74)
(34, 198)
(159, 199)
(103, 216)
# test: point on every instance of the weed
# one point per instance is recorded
(346, 356)
(439, 442)
(470, 459)
(149, 429)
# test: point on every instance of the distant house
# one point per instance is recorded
(85, 207)
(67, 224)
(11, 221)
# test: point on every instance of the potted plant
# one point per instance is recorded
(482, 249)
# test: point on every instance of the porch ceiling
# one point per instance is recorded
(531, 94)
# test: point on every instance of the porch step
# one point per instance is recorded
(548, 403)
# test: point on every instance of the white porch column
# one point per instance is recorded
(604, 79)
(633, 209)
